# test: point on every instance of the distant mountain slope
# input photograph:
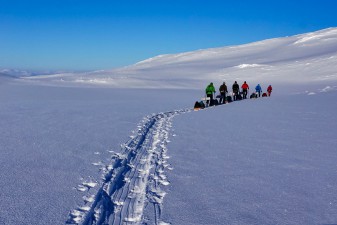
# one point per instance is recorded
(14, 73)
(309, 57)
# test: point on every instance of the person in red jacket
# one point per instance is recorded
(245, 89)
(269, 90)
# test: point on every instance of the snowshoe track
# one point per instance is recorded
(134, 179)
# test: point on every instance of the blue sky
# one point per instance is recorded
(90, 35)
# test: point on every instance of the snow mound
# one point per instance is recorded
(310, 57)
(324, 35)
(242, 66)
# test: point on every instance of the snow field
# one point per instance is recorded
(264, 161)
(135, 178)
(50, 137)
(66, 155)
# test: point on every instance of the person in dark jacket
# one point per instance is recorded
(223, 91)
(236, 89)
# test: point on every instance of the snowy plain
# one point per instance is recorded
(125, 147)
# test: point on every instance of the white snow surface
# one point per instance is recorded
(125, 146)
(289, 60)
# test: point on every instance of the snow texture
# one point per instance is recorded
(68, 156)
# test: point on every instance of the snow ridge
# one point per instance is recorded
(134, 178)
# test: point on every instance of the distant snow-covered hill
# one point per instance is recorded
(309, 57)
(14, 73)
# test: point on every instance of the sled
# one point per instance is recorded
(199, 105)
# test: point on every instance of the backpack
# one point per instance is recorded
(197, 105)
(229, 99)
(214, 102)
(202, 105)
(253, 95)
(239, 97)
(264, 95)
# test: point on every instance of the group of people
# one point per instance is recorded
(236, 93)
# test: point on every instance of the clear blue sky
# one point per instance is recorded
(91, 35)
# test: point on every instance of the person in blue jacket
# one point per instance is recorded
(258, 89)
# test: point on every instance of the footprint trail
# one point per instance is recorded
(133, 180)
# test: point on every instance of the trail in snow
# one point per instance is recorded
(133, 180)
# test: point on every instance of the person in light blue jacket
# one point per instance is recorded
(258, 89)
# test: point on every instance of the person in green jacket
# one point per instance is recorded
(209, 92)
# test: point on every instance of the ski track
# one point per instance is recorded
(133, 180)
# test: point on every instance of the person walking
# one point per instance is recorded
(223, 92)
(209, 92)
(245, 89)
(236, 89)
(269, 90)
(258, 90)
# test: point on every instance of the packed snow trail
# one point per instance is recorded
(134, 178)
